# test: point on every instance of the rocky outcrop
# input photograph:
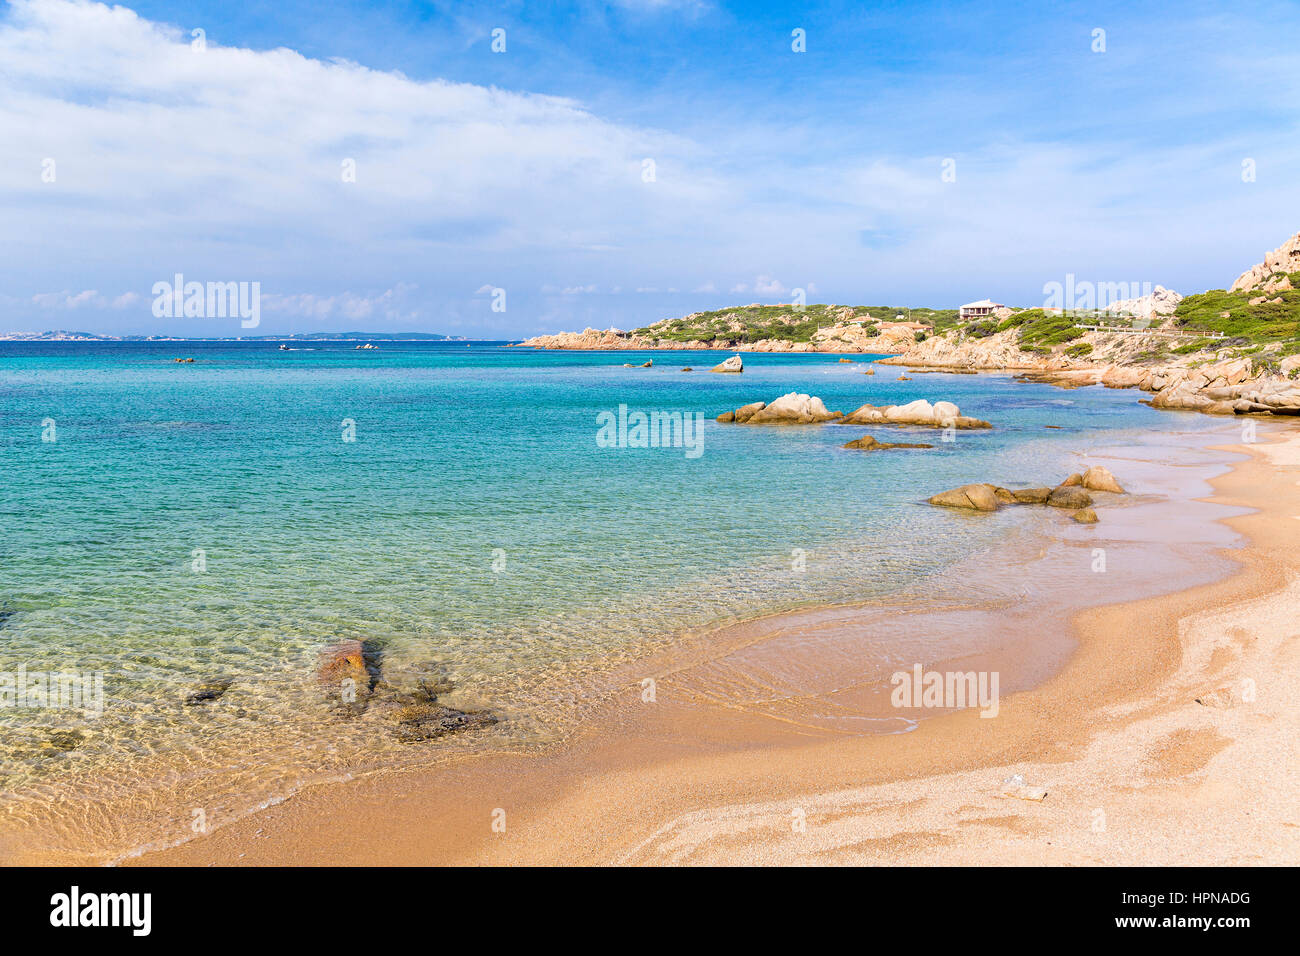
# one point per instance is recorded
(1160, 301)
(979, 497)
(1071, 495)
(733, 364)
(869, 443)
(1270, 275)
(793, 408)
(343, 676)
(591, 339)
(209, 690)
(919, 412)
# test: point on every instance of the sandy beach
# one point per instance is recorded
(1164, 736)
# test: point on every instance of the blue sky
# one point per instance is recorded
(526, 170)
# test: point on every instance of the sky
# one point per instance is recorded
(380, 166)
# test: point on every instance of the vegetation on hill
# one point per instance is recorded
(752, 323)
(1232, 314)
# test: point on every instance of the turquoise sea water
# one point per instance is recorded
(208, 520)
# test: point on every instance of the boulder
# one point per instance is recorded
(343, 675)
(844, 360)
(1031, 496)
(869, 443)
(1075, 480)
(732, 364)
(919, 412)
(1085, 516)
(209, 690)
(1099, 478)
(974, 497)
(1068, 496)
(792, 408)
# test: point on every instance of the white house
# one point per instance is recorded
(979, 310)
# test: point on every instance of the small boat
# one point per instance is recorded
(283, 347)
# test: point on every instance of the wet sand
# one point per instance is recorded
(774, 741)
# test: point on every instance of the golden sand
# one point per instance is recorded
(1136, 770)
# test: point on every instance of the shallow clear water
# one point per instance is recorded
(195, 521)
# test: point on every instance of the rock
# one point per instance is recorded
(975, 497)
(869, 443)
(646, 364)
(919, 412)
(343, 675)
(688, 369)
(1031, 496)
(844, 360)
(1069, 497)
(727, 417)
(903, 378)
(426, 720)
(732, 364)
(870, 371)
(1072, 481)
(945, 414)
(792, 408)
(1285, 258)
(1085, 516)
(1162, 301)
(1099, 478)
(209, 690)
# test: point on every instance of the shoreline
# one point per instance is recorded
(660, 791)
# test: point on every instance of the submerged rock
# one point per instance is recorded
(209, 690)
(1085, 516)
(790, 409)
(869, 443)
(1069, 496)
(428, 721)
(343, 675)
(732, 364)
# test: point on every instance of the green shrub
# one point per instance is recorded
(1079, 350)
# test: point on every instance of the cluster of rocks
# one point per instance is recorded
(919, 412)
(798, 409)
(1071, 494)
(1222, 388)
(350, 676)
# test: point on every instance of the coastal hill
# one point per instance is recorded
(1228, 351)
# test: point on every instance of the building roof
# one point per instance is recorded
(981, 304)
